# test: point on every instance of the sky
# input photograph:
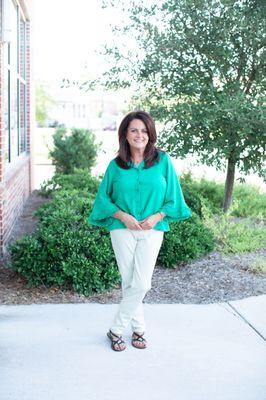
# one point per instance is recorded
(67, 35)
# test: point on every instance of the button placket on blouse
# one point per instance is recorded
(138, 169)
(138, 189)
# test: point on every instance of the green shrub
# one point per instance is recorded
(80, 179)
(248, 200)
(29, 258)
(64, 250)
(94, 270)
(75, 149)
(191, 194)
(187, 240)
(211, 191)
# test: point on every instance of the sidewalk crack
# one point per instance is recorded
(237, 313)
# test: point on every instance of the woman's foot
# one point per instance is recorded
(138, 340)
(117, 342)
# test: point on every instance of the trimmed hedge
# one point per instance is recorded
(187, 240)
(81, 180)
(64, 251)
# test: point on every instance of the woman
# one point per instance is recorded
(138, 197)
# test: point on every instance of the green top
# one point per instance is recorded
(139, 192)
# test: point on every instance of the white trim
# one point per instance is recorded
(23, 11)
(11, 168)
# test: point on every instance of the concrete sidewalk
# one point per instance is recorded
(196, 352)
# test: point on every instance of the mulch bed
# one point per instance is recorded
(213, 278)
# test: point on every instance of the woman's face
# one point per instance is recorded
(137, 135)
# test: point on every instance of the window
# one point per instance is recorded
(22, 85)
(14, 81)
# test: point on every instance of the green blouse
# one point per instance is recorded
(139, 192)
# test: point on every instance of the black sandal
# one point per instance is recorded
(114, 342)
(139, 339)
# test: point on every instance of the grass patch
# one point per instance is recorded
(234, 237)
(258, 265)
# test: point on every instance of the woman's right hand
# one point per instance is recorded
(128, 220)
(131, 222)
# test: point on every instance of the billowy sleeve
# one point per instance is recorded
(174, 205)
(103, 206)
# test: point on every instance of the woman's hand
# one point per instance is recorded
(128, 220)
(131, 222)
(151, 221)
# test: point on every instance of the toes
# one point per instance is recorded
(140, 344)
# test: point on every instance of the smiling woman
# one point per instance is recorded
(139, 195)
(137, 137)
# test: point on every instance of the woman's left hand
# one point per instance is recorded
(151, 221)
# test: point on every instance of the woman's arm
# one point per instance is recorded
(119, 214)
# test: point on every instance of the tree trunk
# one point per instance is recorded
(229, 184)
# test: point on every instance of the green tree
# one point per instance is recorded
(200, 68)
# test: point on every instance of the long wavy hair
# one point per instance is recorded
(151, 152)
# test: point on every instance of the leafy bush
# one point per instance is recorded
(248, 200)
(211, 191)
(75, 149)
(64, 251)
(191, 194)
(187, 240)
(80, 179)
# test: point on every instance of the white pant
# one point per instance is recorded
(136, 252)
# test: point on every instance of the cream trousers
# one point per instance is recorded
(136, 253)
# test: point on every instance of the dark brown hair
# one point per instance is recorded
(151, 152)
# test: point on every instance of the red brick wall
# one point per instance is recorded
(16, 189)
(15, 178)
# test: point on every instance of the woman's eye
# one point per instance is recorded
(135, 131)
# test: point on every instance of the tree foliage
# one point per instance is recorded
(199, 67)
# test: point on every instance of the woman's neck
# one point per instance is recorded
(137, 157)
